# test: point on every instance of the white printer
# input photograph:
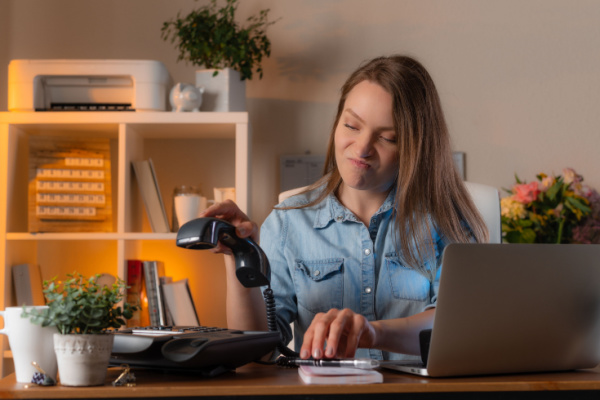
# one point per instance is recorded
(87, 85)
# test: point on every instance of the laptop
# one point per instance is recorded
(514, 308)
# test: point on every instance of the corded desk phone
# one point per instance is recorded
(204, 350)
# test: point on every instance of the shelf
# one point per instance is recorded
(152, 125)
(89, 236)
(200, 148)
(81, 117)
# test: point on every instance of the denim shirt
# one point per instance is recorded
(323, 257)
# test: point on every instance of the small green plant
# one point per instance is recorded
(80, 305)
(209, 37)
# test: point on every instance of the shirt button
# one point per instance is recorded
(368, 290)
(317, 273)
(339, 218)
(367, 252)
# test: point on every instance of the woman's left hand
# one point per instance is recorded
(344, 330)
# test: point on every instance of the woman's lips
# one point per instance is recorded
(359, 163)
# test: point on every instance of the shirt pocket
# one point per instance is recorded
(319, 284)
(405, 282)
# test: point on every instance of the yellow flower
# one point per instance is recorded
(511, 208)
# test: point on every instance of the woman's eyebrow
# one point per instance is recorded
(355, 115)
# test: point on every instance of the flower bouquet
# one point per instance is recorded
(553, 209)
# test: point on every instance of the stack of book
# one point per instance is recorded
(163, 302)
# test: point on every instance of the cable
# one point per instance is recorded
(272, 322)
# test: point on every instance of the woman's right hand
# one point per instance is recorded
(245, 307)
(230, 212)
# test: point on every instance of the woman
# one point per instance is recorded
(356, 258)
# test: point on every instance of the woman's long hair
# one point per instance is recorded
(428, 188)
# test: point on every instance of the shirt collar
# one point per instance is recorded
(333, 210)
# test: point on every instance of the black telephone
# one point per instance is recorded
(208, 351)
(252, 267)
(251, 264)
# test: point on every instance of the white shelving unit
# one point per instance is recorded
(206, 149)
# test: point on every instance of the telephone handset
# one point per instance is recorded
(251, 263)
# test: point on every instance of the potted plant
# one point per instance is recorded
(209, 37)
(83, 311)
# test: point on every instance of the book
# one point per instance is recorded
(135, 280)
(148, 183)
(179, 303)
(27, 281)
(168, 316)
(153, 270)
(338, 375)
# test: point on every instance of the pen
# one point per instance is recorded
(361, 363)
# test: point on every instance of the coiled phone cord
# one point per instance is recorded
(272, 322)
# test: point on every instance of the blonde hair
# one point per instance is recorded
(428, 187)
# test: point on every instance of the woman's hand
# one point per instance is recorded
(245, 307)
(230, 212)
(344, 330)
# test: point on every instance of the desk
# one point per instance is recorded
(258, 382)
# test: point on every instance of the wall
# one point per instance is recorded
(518, 79)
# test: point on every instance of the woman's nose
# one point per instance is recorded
(364, 145)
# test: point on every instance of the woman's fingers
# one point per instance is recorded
(230, 212)
(337, 327)
(342, 331)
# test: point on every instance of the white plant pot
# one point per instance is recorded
(83, 359)
(224, 92)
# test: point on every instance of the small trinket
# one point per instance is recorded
(40, 377)
(126, 378)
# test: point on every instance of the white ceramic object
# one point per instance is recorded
(83, 359)
(224, 92)
(187, 204)
(186, 97)
(29, 342)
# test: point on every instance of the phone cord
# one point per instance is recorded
(272, 322)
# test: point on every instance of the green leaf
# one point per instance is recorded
(554, 189)
(80, 305)
(578, 204)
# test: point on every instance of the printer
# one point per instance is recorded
(87, 85)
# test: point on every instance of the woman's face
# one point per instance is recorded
(366, 150)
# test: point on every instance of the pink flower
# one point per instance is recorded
(526, 192)
(583, 190)
(570, 176)
(546, 183)
(556, 211)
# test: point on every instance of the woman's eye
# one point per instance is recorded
(389, 140)
(352, 128)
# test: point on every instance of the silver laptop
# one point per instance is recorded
(514, 308)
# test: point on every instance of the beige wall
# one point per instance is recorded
(519, 79)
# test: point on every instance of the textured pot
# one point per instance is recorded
(82, 359)
(224, 92)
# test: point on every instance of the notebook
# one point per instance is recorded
(338, 375)
(514, 308)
